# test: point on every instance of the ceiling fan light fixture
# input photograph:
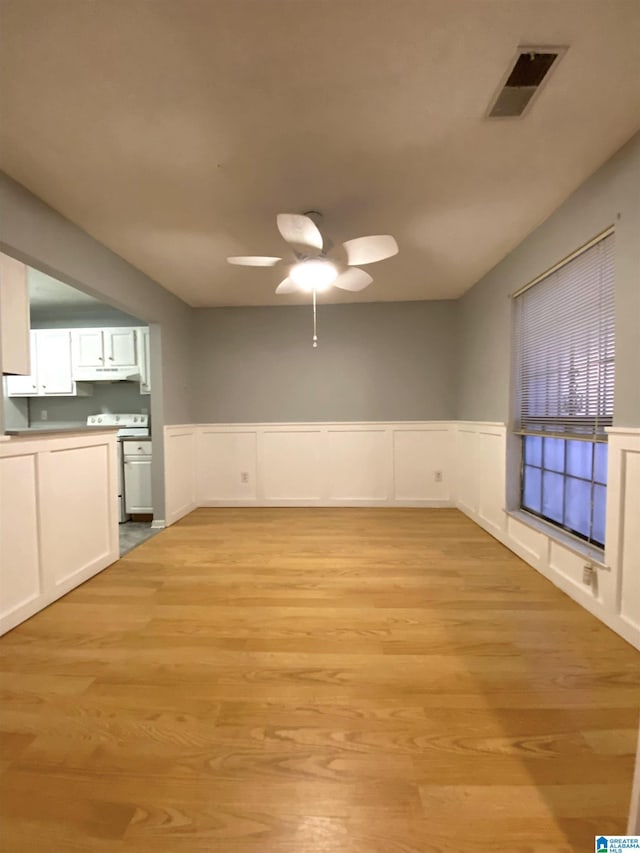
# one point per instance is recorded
(314, 274)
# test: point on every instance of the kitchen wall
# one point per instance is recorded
(107, 397)
(375, 362)
(610, 197)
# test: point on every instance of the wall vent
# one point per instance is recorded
(523, 80)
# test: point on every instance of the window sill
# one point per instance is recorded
(589, 552)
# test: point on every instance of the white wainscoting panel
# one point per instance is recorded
(418, 455)
(226, 465)
(359, 464)
(19, 558)
(467, 455)
(480, 451)
(307, 464)
(490, 479)
(180, 471)
(569, 566)
(527, 542)
(292, 466)
(623, 524)
(58, 517)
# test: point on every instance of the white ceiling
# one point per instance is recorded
(173, 131)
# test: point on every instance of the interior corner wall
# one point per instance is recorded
(611, 196)
(375, 362)
(36, 234)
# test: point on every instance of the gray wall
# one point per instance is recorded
(375, 361)
(33, 232)
(610, 197)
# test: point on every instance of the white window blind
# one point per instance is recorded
(565, 348)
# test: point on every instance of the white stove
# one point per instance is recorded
(128, 425)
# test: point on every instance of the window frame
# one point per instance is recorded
(563, 432)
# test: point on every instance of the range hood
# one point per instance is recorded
(108, 376)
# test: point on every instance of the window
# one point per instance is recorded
(564, 381)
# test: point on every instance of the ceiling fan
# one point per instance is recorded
(316, 265)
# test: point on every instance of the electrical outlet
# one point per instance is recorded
(588, 574)
(437, 476)
(244, 477)
(44, 414)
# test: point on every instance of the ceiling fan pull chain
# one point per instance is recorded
(315, 330)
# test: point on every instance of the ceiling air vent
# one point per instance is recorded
(532, 65)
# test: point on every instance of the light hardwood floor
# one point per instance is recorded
(311, 681)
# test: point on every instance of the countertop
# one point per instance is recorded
(29, 432)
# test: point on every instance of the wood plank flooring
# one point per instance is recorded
(311, 681)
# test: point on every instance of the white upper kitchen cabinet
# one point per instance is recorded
(51, 368)
(14, 317)
(88, 349)
(120, 348)
(54, 361)
(104, 353)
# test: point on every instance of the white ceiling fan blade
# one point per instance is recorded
(368, 250)
(254, 261)
(353, 280)
(287, 286)
(300, 231)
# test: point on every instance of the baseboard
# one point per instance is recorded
(383, 503)
(176, 515)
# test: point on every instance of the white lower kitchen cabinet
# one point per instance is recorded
(137, 476)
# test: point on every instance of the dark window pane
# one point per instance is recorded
(552, 495)
(599, 513)
(600, 464)
(531, 489)
(578, 504)
(579, 459)
(554, 454)
(533, 450)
